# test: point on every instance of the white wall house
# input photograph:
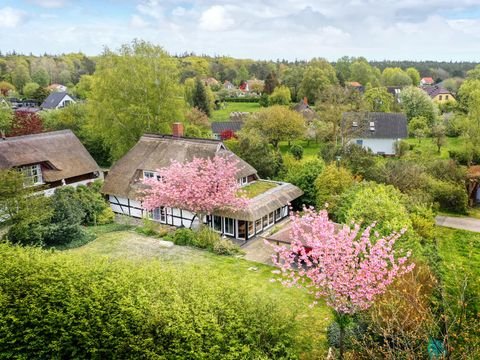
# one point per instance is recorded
(57, 100)
(124, 183)
(378, 132)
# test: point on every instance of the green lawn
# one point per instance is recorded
(311, 323)
(224, 114)
(257, 188)
(427, 147)
(459, 251)
(310, 150)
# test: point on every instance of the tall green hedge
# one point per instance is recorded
(67, 306)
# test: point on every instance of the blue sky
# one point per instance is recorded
(262, 29)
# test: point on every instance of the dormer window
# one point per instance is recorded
(243, 181)
(32, 175)
(148, 174)
(355, 124)
(372, 126)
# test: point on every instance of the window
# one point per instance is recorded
(242, 181)
(158, 214)
(229, 227)
(32, 175)
(359, 142)
(265, 221)
(251, 229)
(446, 97)
(355, 124)
(270, 219)
(258, 226)
(278, 214)
(439, 97)
(148, 174)
(217, 223)
(242, 229)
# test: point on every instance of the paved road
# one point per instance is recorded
(463, 223)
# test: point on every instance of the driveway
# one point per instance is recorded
(463, 223)
(256, 250)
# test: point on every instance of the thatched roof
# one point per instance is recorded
(154, 152)
(266, 202)
(61, 151)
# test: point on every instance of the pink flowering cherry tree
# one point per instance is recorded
(201, 186)
(348, 268)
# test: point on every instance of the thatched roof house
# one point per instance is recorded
(54, 158)
(124, 184)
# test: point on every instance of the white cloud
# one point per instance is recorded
(11, 18)
(51, 4)
(216, 18)
(138, 22)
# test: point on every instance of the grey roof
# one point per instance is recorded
(61, 150)
(221, 126)
(435, 90)
(154, 152)
(385, 125)
(53, 100)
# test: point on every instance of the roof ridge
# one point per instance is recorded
(180, 138)
(38, 135)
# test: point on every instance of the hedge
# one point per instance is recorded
(65, 306)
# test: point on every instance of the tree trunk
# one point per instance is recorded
(341, 340)
(342, 321)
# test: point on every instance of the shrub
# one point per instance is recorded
(69, 306)
(225, 247)
(450, 196)
(206, 238)
(106, 216)
(183, 237)
(401, 148)
(297, 151)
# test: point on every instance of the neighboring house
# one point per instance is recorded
(244, 87)
(124, 185)
(221, 126)
(57, 88)
(396, 92)
(49, 159)
(57, 100)
(228, 85)
(27, 103)
(438, 94)
(376, 131)
(356, 85)
(303, 108)
(427, 81)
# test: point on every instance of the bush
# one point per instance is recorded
(206, 238)
(297, 151)
(106, 216)
(92, 202)
(450, 196)
(69, 306)
(225, 247)
(183, 237)
(401, 148)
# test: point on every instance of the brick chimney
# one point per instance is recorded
(305, 100)
(177, 129)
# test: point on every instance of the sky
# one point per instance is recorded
(263, 29)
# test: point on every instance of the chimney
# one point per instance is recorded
(305, 100)
(177, 129)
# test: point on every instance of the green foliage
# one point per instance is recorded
(401, 148)
(68, 306)
(296, 151)
(331, 184)
(183, 237)
(414, 75)
(200, 98)
(225, 247)
(6, 118)
(362, 72)
(134, 90)
(416, 103)
(359, 161)
(264, 100)
(378, 99)
(449, 195)
(255, 150)
(277, 123)
(395, 77)
(41, 77)
(303, 174)
(29, 89)
(271, 83)
(418, 127)
(20, 76)
(93, 204)
(280, 96)
(318, 75)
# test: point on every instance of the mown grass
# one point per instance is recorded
(257, 188)
(310, 149)
(224, 114)
(311, 323)
(459, 251)
(428, 149)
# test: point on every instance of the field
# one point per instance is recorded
(224, 114)
(311, 323)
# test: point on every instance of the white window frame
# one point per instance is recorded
(32, 175)
(279, 215)
(251, 234)
(225, 226)
(148, 174)
(257, 230)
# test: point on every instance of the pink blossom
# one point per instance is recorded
(200, 186)
(348, 268)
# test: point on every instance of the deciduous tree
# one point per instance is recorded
(280, 96)
(378, 99)
(416, 102)
(201, 186)
(348, 268)
(134, 90)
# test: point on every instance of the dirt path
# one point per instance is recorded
(463, 223)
